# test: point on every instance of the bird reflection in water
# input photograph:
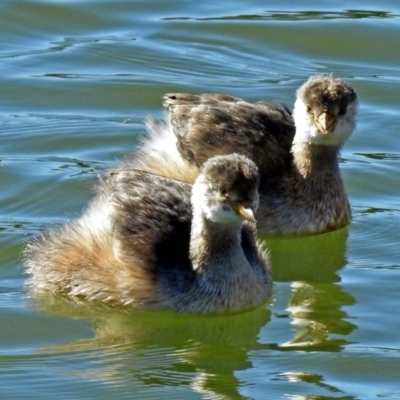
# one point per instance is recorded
(311, 265)
(212, 355)
(146, 349)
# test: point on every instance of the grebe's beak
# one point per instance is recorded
(245, 212)
(325, 122)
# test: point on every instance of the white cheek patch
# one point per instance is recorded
(344, 127)
(347, 122)
(306, 130)
(221, 212)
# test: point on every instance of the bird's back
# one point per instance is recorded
(210, 124)
(136, 228)
(151, 218)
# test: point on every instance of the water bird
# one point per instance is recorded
(159, 243)
(301, 189)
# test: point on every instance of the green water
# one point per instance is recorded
(76, 81)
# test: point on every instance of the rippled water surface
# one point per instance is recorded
(77, 80)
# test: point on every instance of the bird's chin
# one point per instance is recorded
(326, 139)
(335, 138)
(223, 216)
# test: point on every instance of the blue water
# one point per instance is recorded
(77, 79)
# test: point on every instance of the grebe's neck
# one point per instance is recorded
(315, 159)
(214, 245)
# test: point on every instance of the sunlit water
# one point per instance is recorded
(77, 80)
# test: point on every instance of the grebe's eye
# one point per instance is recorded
(309, 110)
(342, 110)
(224, 193)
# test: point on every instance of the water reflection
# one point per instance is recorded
(162, 349)
(315, 379)
(316, 258)
(205, 354)
(316, 314)
(316, 303)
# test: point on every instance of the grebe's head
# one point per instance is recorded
(325, 111)
(226, 189)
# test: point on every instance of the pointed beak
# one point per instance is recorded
(325, 122)
(245, 212)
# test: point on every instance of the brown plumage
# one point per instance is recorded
(301, 189)
(153, 242)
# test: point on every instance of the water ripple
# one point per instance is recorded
(296, 16)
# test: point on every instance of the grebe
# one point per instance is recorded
(158, 243)
(301, 189)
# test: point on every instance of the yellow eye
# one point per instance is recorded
(309, 110)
